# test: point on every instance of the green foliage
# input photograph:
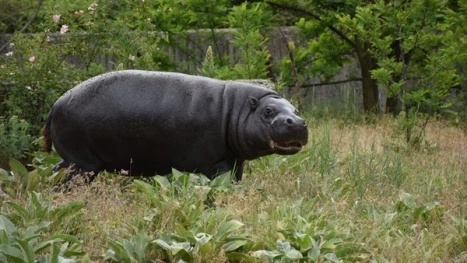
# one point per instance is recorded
(22, 231)
(27, 246)
(309, 237)
(409, 213)
(15, 14)
(39, 210)
(15, 141)
(188, 245)
(19, 181)
(190, 235)
(459, 242)
(133, 250)
(248, 21)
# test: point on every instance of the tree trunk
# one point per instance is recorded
(369, 86)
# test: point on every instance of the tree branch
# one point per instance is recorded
(293, 66)
(330, 83)
(316, 17)
(28, 23)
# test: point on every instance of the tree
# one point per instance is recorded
(396, 43)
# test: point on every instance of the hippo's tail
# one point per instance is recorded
(47, 140)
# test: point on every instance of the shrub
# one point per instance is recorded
(15, 141)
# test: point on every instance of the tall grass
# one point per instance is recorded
(349, 196)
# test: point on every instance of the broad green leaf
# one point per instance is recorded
(266, 253)
(6, 225)
(11, 251)
(119, 251)
(233, 245)
(315, 251)
(330, 244)
(331, 257)
(293, 254)
(4, 237)
(162, 244)
(109, 254)
(40, 210)
(180, 247)
(56, 239)
(283, 246)
(31, 232)
(226, 229)
(304, 241)
(64, 237)
(140, 244)
(54, 255)
(162, 181)
(176, 174)
(5, 175)
(130, 250)
(202, 238)
(33, 180)
(17, 168)
(23, 213)
(222, 180)
(27, 249)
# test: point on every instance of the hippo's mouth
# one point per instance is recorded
(286, 148)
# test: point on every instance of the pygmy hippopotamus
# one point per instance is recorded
(149, 122)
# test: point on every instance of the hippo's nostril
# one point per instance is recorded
(289, 121)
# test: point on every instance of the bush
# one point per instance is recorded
(15, 141)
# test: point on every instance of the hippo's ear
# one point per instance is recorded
(253, 102)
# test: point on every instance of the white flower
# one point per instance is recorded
(9, 54)
(32, 59)
(92, 7)
(28, 88)
(131, 57)
(12, 44)
(56, 18)
(63, 29)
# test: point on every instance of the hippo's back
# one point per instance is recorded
(136, 119)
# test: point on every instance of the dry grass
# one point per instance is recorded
(349, 177)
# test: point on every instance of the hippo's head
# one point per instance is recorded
(274, 126)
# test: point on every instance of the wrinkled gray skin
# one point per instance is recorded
(149, 122)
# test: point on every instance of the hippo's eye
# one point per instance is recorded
(268, 112)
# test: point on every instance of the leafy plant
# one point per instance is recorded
(29, 245)
(19, 181)
(136, 249)
(180, 208)
(407, 212)
(39, 210)
(459, 241)
(15, 140)
(189, 245)
(308, 238)
(249, 21)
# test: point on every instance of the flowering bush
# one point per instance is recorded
(37, 69)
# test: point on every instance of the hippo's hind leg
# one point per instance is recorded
(224, 166)
(75, 176)
(82, 169)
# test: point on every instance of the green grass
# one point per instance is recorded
(352, 195)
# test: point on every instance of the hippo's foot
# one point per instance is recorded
(75, 177)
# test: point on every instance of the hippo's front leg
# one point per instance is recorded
(226, 166)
